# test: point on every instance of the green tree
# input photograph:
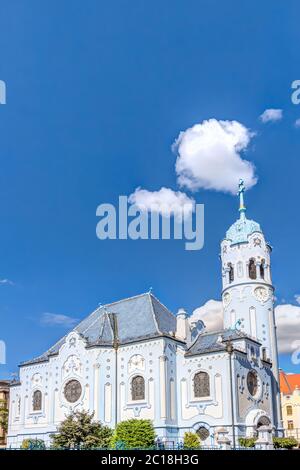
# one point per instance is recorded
(79, 430)
(285, 442)
(3, 415)
(134, 434)
(247, 441)
(191, 441)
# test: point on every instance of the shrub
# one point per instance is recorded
(134, 434)
(285, 442)
(191, 441)
(33, 444)
(247, 441)
(79, 431)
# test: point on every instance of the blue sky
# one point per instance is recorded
(97, 92)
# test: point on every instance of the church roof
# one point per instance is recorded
(243, 227)
(215, 341)
(138, 318)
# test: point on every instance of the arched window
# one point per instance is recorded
(231, 272)
(138, 388)
(289, 410)
(37, 400)
(262, 269)
(201, 385)
(252, 269)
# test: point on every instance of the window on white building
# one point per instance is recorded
(138, 388)
(201, 385)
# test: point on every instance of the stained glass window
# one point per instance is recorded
(72, 391)
(201, 385)
(138, 388)
(37, 400)
(203, 433)
(252, 382)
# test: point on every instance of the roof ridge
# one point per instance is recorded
(153, 313)
(157, 300)
(125, 300)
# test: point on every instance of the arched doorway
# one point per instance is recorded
(254, 420)
(263, 421)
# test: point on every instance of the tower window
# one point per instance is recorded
(262, 269)
(289, 410)
(252, 269)
(231, 272)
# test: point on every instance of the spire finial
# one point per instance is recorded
(240, 193)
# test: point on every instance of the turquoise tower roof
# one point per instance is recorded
(243, 227)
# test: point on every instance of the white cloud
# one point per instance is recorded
(271, 115)
(6, 281)
(211, 313)
(54, 319)
(297, 123)
(209, 156)
(165, 201)
(297, 298)
(287, 319)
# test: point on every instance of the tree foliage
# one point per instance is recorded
(247, 441)
(285, 442)
(79, 431)
(3, 415)
(134, 434)
(191, 441)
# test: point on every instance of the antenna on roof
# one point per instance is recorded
(150, 290)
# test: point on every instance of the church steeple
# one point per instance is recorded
(242, 208)
(246, 277)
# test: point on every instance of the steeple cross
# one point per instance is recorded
(240, 193)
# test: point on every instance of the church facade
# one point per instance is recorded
(135, 359)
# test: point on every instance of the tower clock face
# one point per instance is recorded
(261, 294)
(226, 299)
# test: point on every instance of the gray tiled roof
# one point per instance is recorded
(138, 318)
(209, 342)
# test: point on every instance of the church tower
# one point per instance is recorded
(248, 293)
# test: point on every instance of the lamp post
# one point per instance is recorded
(229, 350)
(114, 325)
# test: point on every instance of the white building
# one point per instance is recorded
(135, 359)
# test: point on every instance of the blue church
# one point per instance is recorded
(135, 359)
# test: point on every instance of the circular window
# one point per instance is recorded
(203, 433)
(72, 391)
(252, 383)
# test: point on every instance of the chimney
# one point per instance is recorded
(182, 325)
